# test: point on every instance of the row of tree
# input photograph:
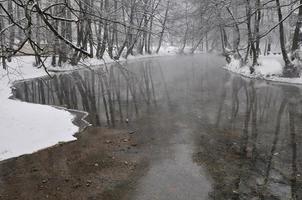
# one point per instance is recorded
(250, 28)
(71, 30)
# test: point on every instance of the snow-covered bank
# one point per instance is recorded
(24, 127)
(269, 68)
(92, 62)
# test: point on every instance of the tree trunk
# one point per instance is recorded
(150, 36)
(55, 42)
(63, 46)
(250, 37)
(257, 27)
(2, 43)
(146, 21)
(127, 32)
(163, 27)
(186, 32)
(11, 30)
(289, 69)
(69, 24)
(236, 36)
(99, 34)
(297, 35)
(38, 40)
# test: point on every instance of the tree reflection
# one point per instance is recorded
(249, 158)
(106, 93)
(237, 85)
(294, 97)
(222, 100)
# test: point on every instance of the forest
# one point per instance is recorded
(71, 30)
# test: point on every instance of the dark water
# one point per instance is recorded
(212, 134)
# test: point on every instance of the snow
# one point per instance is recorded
(270, 68)
(269, 65)
(94, 62)
(26, 128)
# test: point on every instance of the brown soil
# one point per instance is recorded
(101, 164)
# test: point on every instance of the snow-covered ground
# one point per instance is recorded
(164, 51)
(25, 127)
(270, 68)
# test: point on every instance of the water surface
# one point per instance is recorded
(208, 134)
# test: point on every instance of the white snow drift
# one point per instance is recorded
(269, 68)
(24, 127)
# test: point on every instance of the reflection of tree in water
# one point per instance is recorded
(249, 158)
(237, 84)
(294, 98)
(111, 94)
(222, 100)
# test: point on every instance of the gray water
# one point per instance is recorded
(209, 134)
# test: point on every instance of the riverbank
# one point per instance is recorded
(94, 62)
(27, 128)
(269, 69)
(101, 164)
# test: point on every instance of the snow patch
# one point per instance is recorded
(270, 68)
(24, 127)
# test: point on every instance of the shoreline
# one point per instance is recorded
(274, 79)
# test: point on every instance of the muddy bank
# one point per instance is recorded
(97, 166)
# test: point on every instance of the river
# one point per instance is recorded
(204, 133)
